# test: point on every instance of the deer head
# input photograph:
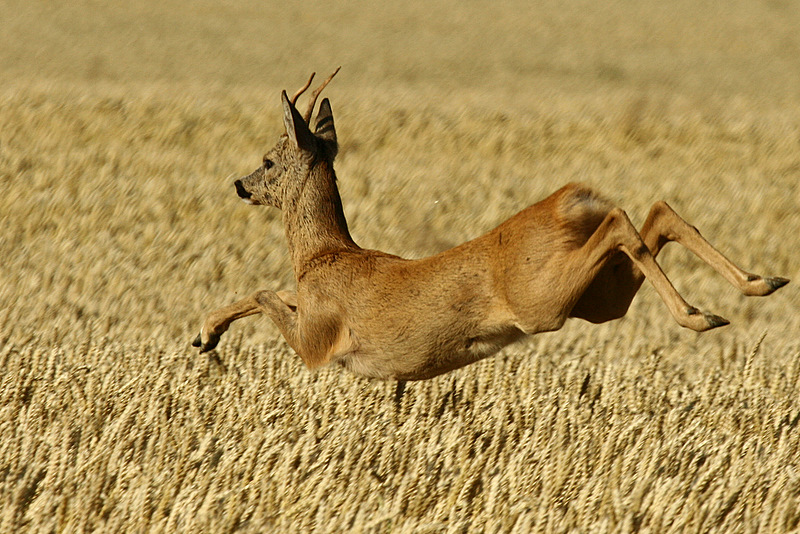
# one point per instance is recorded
(285, 169)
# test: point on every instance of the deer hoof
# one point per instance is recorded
(701, 321)
(208, 345)
(715, 321)
(758, 286)
(776, 282)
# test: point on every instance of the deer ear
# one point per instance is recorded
(296, 127)
(326, 130)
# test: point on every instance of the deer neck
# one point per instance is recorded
(314, 221)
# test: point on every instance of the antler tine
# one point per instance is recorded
(316, 93)
(303, 89)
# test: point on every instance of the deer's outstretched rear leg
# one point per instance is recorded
(617, 234)
(611, 292)
(280, 307)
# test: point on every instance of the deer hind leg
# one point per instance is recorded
(611, 292)
(600, 257)
(668, 226)
(280, 306)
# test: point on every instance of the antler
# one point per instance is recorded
(303, 89)
(315, 94)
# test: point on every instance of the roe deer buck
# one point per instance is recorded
(572, 254)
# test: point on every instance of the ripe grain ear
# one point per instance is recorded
(296, 127)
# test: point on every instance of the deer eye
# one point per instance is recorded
(268, 163)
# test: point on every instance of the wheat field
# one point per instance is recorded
(121, 129)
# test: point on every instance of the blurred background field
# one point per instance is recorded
(121, 129)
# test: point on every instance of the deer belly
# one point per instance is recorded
(472, 350)
(411, 363)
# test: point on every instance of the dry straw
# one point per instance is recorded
(119, 228)
(116, 242)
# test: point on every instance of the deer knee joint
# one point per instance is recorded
(618, 217)
(266, 298)
(661, 207)
(641, 251)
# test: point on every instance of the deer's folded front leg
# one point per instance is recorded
(281, 307)
(218, 321)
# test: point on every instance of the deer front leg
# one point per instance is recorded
(281, 307)
(218, 321)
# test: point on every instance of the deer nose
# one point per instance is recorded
(241, 191)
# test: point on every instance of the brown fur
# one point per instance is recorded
(572, 254)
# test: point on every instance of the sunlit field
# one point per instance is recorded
(121, 131)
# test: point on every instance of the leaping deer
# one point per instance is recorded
(573, 254)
